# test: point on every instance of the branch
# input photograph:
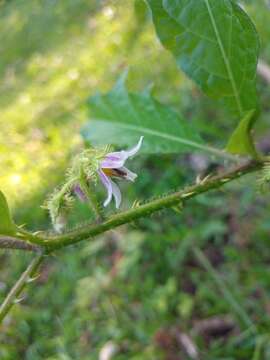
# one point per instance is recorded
(8, 242)
(57, 242)
(14, 293)
(210, 183)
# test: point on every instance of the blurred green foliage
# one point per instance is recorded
(138, 288)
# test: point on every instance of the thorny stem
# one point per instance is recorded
(8, 242)
(15, 292)
(88, 231)
(51, 243)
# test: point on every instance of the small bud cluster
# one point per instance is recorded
(61, 200)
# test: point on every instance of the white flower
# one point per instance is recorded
(113, 166)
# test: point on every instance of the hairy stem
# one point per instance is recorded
(8, 242)
(15, 292)
(56, 242)
(210, 183)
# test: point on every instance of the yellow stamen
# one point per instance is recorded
(114, 172)
(108, 172)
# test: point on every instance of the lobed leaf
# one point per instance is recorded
(121, 117)
(215, 44)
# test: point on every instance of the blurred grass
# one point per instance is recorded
(131, 287)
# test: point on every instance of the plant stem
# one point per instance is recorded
(19, 286)
(8, 242)
(91, 197)
(56, 242)
(211, 183)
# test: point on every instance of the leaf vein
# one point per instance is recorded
(225, 58)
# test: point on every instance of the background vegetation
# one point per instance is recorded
(140, 289)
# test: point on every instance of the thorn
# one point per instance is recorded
(178, 208)
(37, 233)
(31, 279)
(205, 179)
(225, 180)
(136, 204)
(19, 234)
(188, 194)
(198, 179)
(17, 301)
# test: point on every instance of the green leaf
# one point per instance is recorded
(241, 141)
(121, 117)
(7, 226)
(215, 43)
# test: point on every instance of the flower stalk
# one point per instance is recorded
(89, 192)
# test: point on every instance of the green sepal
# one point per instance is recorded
(241, 141)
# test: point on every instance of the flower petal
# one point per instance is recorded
(116, 194)
(114, 160)
(117, 159)
(133, 151)
(129, 175)
(108, 185)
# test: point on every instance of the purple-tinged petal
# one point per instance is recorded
(114, 160)
(115, 156)
(78, 191)
(129, 175)
(108, 185)
(133, 151)
(116, 194)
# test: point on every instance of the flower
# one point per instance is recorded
(112, 165)
(86, 169)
